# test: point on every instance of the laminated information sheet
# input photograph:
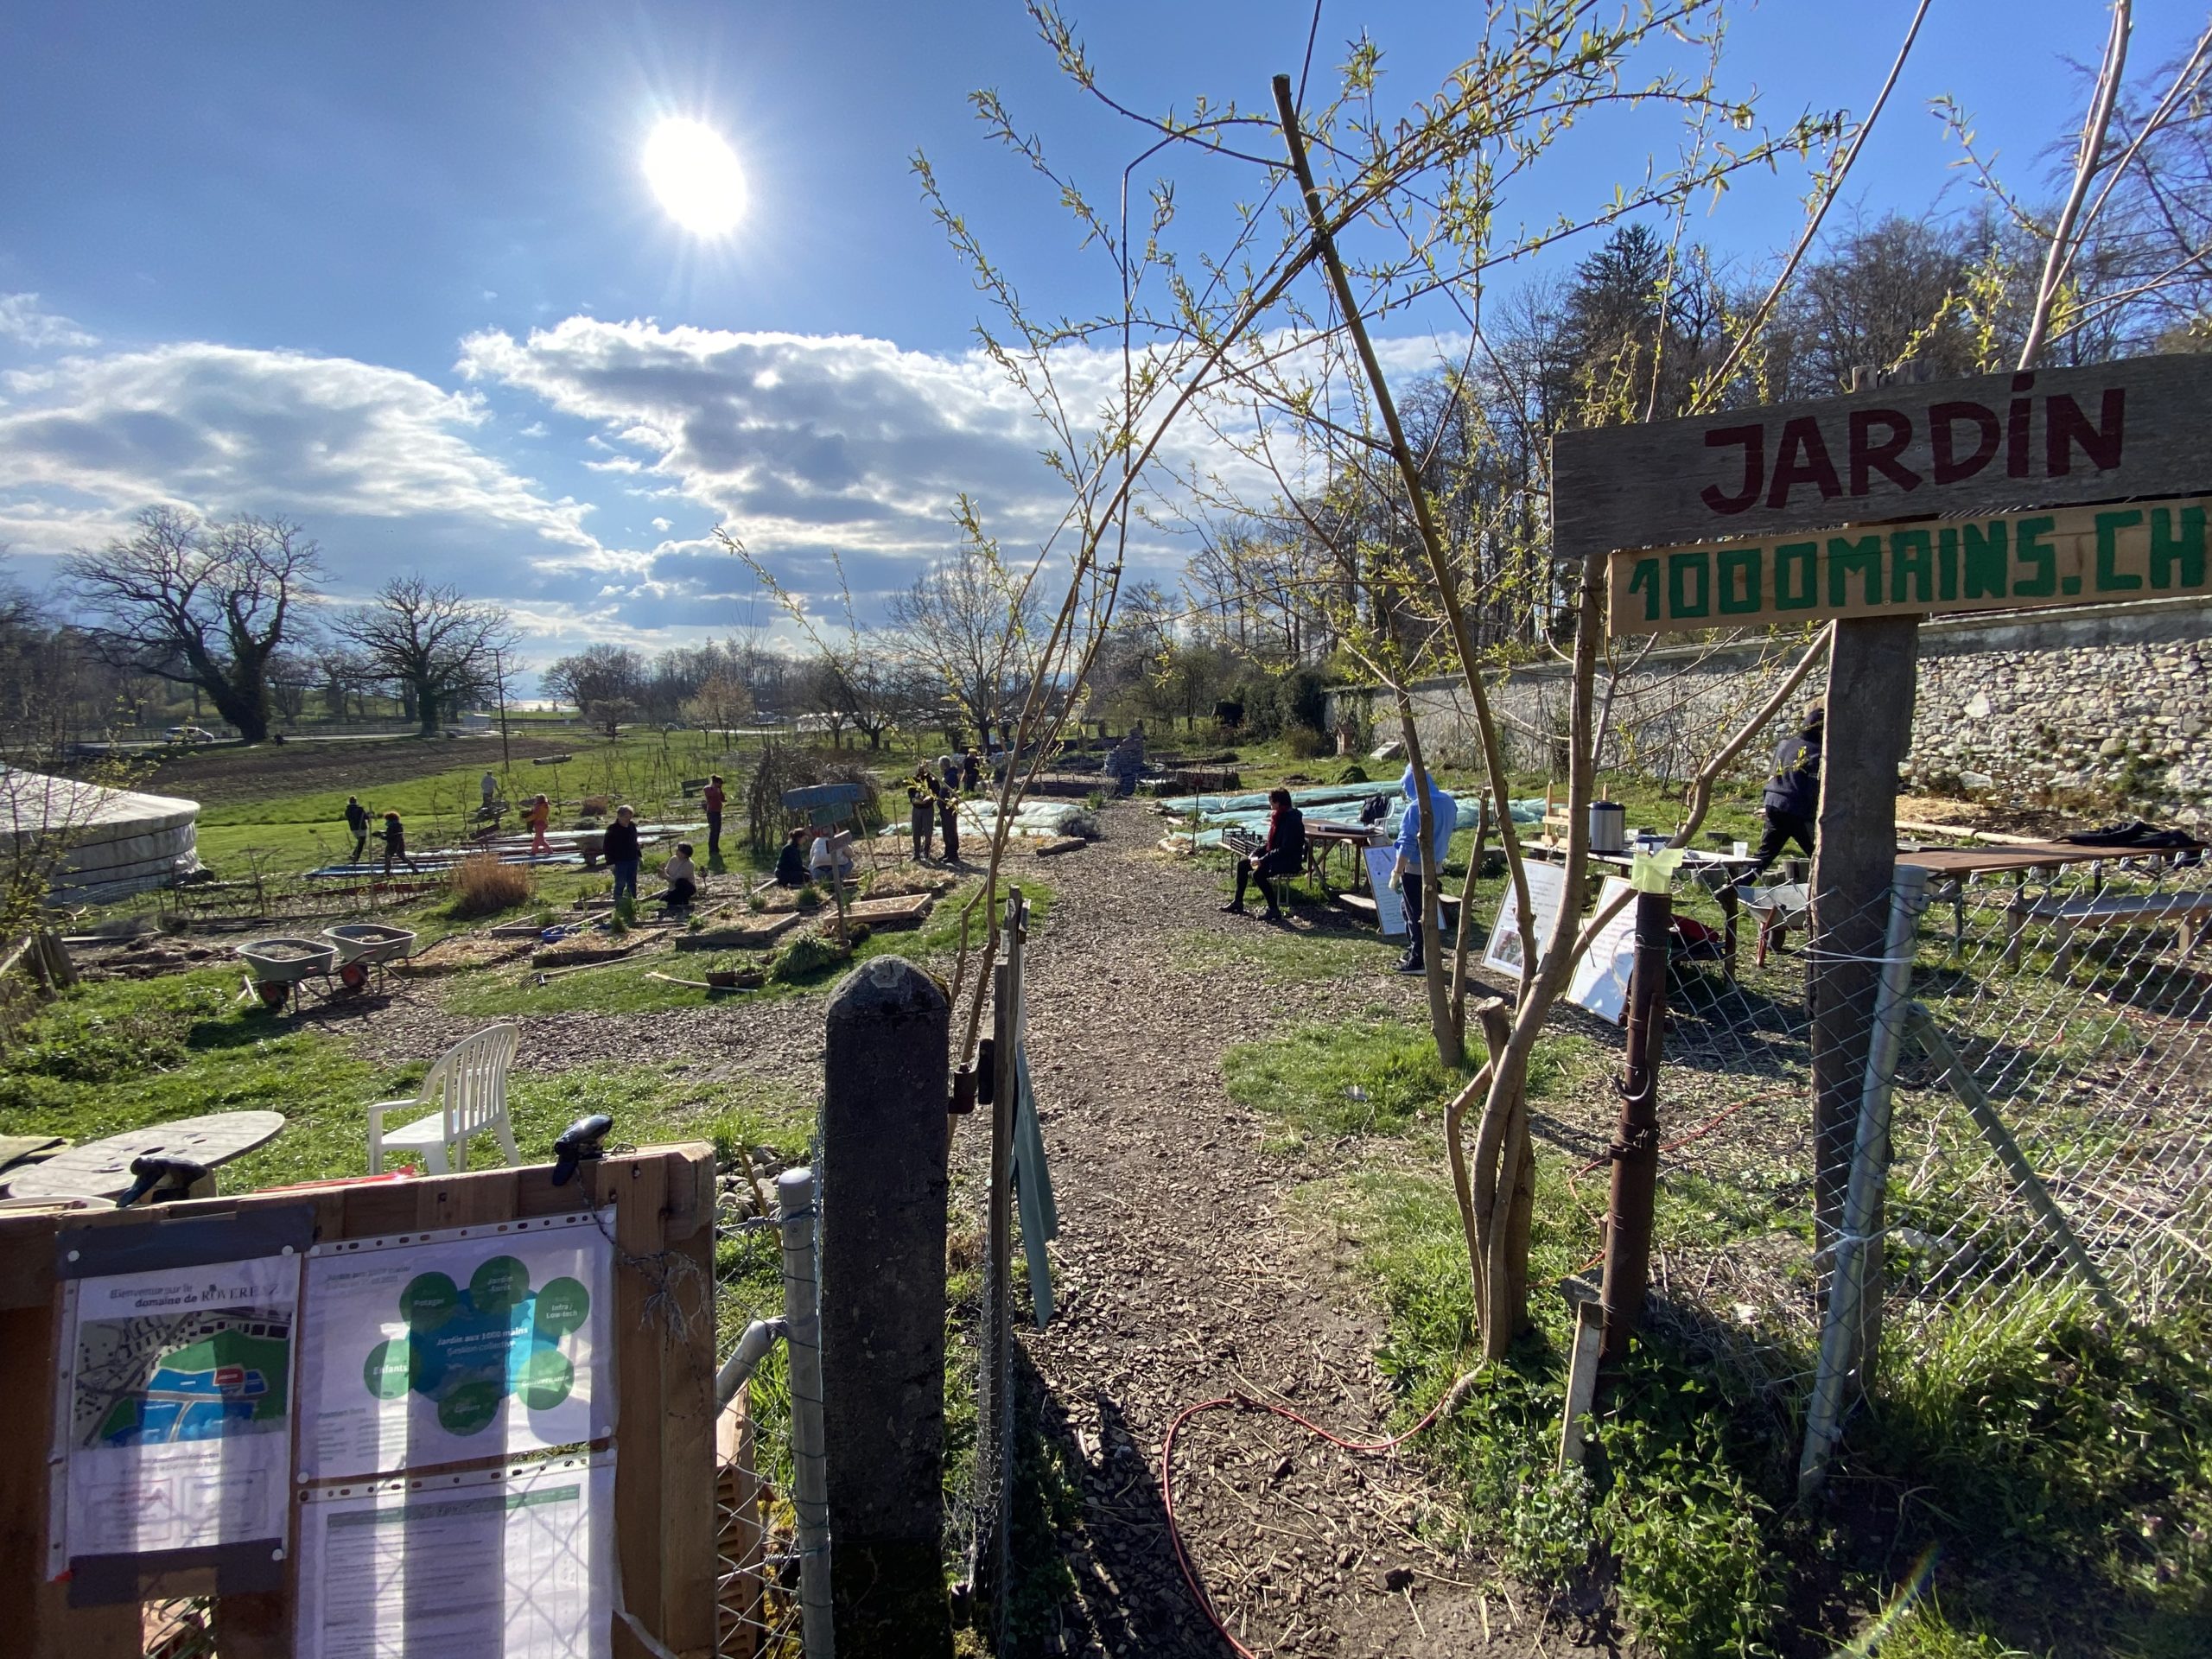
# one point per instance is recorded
(450, 1348)
(495, 1564)
(1600, 982)
(1546, 883)
(175, 1417)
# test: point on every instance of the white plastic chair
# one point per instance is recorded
(466, 1091)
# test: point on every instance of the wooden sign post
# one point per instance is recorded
(2005, 492)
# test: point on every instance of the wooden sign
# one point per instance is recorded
(1994, 444)
(816, 795)
(2079, 556)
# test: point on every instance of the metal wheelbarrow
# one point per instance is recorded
(1778, 910)
(275, 967)
(363, 948)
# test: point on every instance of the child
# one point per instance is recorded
(682, 878)
(541, 820)
(395, 844)
(791, 863)
(623, 853)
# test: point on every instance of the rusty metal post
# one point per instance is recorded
(1634, 1151)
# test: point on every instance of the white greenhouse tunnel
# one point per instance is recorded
(114, 842)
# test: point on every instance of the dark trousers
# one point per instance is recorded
(714, 835)
(1250, 871)
(947, 823)
(679, 894)
(922, 821)
(1409, 885)
(1782, 829)
(360, 846)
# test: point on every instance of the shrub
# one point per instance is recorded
(805, 956)
(482, 885)
(786, 766)
(1354, 773)
(1304, 742)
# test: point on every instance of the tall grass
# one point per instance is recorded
(482, 885)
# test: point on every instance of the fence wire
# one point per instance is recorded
(2052, 1135)
(757, 1557)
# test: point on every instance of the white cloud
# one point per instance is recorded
(20, 320)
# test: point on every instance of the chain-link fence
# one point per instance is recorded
(2038, 1113)
(771, 1580)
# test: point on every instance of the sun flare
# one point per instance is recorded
(695, 174)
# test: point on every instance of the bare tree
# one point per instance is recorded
(970, 623)
(606, 682)
(428, 638)
(203, 605)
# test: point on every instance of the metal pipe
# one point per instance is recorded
(760, 1337)
(1853, 1328)
(802, 1321)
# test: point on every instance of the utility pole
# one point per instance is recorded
(499, 673)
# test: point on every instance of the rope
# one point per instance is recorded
(1451, 1399)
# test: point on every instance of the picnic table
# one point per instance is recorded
(101, 1169)
(1951, 868)
(1715, 872)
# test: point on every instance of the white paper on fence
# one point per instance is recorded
(514, 1563)
(1546, 883)
(476, 1342)
(1389, 903)
(175, 1413)
(1600, 981)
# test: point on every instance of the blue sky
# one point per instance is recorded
(393, 270)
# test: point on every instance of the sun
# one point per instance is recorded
(695, 174)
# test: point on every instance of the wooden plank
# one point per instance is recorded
(1993, 443)
(2009, 562)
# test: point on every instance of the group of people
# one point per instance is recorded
(393, 834)
(933, 802)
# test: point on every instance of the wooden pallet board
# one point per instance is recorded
(907, 910)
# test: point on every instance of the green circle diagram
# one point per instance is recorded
(470, 1408)
(389, 1369)
(497, 1284)
(562, 1307)
(546, 1380)
(428, 1300)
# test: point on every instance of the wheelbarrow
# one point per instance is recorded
(1777, 910)
(275, 967)
(363, 948)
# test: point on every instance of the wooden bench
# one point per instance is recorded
(2187, 911)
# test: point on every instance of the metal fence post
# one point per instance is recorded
(1851, 1332)
(1634, 1150)
(796, 1212)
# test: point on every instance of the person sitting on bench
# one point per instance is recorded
(683, 878)
(1283, 852)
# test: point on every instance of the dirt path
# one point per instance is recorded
(1186, 1275)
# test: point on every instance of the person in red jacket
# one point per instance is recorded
(712, 798)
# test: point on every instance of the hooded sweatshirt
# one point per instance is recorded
(1443, 812)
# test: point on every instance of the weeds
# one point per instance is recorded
(483, 885)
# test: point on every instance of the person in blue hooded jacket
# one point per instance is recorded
(1443, 814)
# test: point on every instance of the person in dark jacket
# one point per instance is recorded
(921, 812)
(971, 770)
(1793, 793)
(1283, 852)
(791, 863)
(395, 844)
(623, 854)
(948, 817)
(357, 820)
(712, 798)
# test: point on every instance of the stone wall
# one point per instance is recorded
(2099, 710)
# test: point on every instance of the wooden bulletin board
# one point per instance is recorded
(663, 1199)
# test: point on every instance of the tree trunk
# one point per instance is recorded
(426, 707)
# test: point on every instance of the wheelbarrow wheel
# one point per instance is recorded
(354, 976)
(274, 994)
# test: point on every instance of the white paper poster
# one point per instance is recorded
(1546, 883)
(450, 1348)
(177, 1409)
(1389, 903)
(1600, 981)
(494, 1564)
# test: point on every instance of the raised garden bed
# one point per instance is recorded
(755, 935)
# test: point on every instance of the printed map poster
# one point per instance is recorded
(491, 1564)
(1546, 883)
(436, 1349)
(1600, 981)
(175, 1416)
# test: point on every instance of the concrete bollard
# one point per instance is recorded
(885, 1071)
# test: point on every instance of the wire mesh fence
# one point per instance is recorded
(759, 1555)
